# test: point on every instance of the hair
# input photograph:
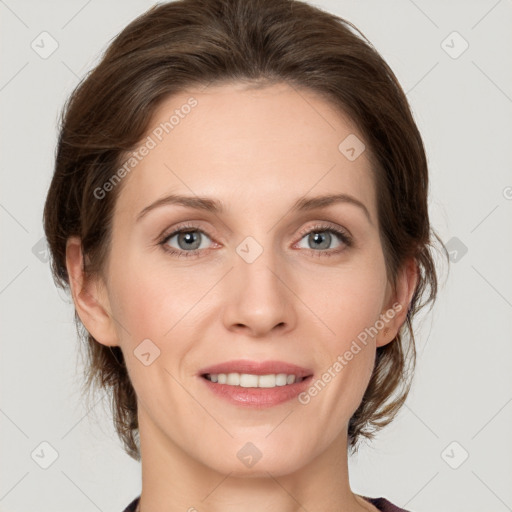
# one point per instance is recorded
(185, 43)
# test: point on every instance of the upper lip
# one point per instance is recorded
(257, 368)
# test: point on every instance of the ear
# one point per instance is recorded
(398, 302)
(90, 297)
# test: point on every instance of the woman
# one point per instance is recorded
(239, 207)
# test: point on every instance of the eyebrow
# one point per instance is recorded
(215, 206)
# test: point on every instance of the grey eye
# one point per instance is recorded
(320, 240)
(188, 240)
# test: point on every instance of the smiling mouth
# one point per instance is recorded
(248, 380)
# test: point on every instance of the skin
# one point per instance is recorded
(257, 151)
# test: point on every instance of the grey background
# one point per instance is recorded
(462, 391)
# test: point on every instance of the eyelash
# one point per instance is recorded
(344, 237)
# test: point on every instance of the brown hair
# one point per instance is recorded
(197, 42)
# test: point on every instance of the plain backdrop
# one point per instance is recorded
(450, 447)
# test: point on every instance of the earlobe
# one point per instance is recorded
(398, 304)
(89, 296)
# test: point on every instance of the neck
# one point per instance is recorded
(174, 481)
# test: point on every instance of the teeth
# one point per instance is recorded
(247, 380)
(233, 379)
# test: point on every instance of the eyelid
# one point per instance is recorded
(326, 225)
(182, 226)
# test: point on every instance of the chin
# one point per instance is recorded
(253, 456)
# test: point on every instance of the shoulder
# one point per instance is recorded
(133, 505)
(384, 505)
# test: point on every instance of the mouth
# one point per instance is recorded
(256, 384)
(248, 380)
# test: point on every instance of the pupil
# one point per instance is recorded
(318, 237)
(190, 238)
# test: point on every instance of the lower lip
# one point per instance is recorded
(258, 397)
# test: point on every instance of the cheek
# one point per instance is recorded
(349, 303)
(156, 304)
(150, 300)
(348, 300)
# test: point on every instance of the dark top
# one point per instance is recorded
(381, 503)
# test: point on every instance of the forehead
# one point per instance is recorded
(244, 146)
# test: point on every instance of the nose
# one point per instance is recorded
(259, 299)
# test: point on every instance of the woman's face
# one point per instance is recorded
(265, 277)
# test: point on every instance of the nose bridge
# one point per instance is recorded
(257, 267)
(257, 297)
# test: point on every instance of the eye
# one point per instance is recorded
(189, 241)
(322, 237)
